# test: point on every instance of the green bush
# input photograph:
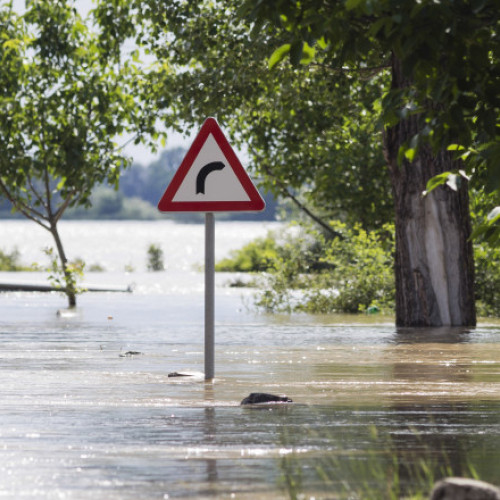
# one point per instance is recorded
(487, 269)
(10, 261)
(256, 256)
(361, 275)
(306, 271)
(348, 274)
(155, 258)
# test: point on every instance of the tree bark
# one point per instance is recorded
(434, 266)
(69, 288)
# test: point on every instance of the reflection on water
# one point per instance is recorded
(78, 421)
(444, 334)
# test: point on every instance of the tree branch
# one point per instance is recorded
(36, 193)
(286, 192)
(60, 211)
(48, 194)
(26, 210)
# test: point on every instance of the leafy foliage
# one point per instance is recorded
(486, 257)
(64, 277)
(487, 273)
(489, 229)
(155, 258)
(62, 103)
(448, 54)
(344, 274)
(10, 261)
(305, 271)
(257, 256)
(311, 135)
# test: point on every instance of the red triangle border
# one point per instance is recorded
(255, 204)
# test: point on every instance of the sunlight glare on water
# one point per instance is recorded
(80, 418)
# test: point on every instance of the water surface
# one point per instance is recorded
(79, 419)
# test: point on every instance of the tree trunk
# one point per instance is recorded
(68, 279)
(434, 264)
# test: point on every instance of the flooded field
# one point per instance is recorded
(81, 419)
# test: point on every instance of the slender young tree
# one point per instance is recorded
(63, 102)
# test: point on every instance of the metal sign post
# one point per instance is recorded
(210, 179)
(209, 295)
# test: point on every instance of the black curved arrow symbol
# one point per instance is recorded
(204, 172)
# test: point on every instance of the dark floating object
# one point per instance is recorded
(177, 374)
(130, 353)
(261, 397)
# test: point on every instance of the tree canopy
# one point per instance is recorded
(325, 110)
(449, 57)
(308, 136)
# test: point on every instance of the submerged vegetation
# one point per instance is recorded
(384, 472)
(155, 258)
(10, 261)
(307, 270)
(256, 256)
(67, 277)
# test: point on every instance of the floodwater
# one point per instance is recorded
(376, 409)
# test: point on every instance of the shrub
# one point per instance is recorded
(155, 258)
(487, 269)
(307, 271)
(258, 255)
(10, 261)
(345, 274)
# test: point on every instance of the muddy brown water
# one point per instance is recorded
(77, 420)
(373, 407)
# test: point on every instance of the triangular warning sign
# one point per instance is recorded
(211, 178)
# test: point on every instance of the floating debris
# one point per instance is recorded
(129, 354)
(262, 397)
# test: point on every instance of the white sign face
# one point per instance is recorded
(210, 178)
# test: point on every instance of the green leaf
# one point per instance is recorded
(437, 180)
(278, 55)
(455, 147)
(410, 154)
(322, 43)
(308, 54)
(494, 215)
(352, 4)
(485, 230)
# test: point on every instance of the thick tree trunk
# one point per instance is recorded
(434, 264)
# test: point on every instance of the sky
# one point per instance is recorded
(140, 154)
